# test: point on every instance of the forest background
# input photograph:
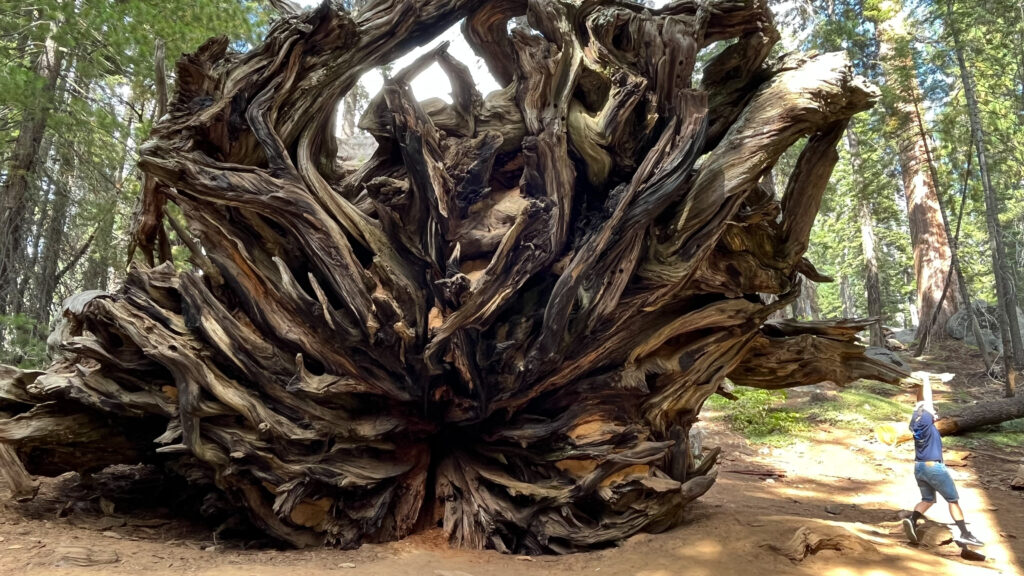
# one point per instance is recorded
(939, 164)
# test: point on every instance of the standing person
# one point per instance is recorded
(930, 471)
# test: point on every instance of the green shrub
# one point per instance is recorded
(756, 414)
(22, 342)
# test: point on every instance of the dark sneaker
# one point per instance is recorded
(968, 539)
(908, 529)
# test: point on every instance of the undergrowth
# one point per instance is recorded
(759, 416)
(764, 416)
(775, 418)
(860, 407)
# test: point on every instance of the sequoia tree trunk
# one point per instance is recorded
(506, 320)
(927, 233)
(974, 416)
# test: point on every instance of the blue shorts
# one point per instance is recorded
(935, 478)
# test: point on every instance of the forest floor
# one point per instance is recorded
(832, 479)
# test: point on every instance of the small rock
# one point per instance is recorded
(347, 565)
(214, 548)
(111, 534)
(15, 547)
(524, 558)
(769, 480)
(884, 355)
(1018, 480)
(819, 396)
(834, 509)
(894, 344)
(451, 573)
(106, 506)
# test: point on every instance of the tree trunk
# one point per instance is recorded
(968, 418)
(506, 320)
(806, 305)
(974, 416)
(928, 236)
(102, 259)
(1006, 291)
(54, 240)
(43, 217)
(23, 486)
(962, 283)
(355, 96)
(846, 295)
(872, 281)
(14, 194)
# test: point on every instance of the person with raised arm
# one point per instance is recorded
(930, 471)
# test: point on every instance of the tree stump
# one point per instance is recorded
(505, 321)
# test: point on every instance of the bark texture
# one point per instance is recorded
(927, 231)
(505, 321)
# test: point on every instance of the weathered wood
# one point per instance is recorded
(507, 320)
(23, 487)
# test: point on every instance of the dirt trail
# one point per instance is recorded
(727, 532)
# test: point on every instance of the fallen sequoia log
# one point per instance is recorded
(970, 417)
(506, 321)
(964, 419)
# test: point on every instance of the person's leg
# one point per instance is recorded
(927, 499)
(924, 484)
(920, 509)
(945, 486)
(956, 512)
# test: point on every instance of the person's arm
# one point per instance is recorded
(926, 393)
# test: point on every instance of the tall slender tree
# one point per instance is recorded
(76, 99)
(872, 283)
(1006, 292)
(21, 166)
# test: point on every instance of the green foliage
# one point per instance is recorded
(925, 70)
(757, 415)
(100, 111)
(23, 346)
(859, 408)
(764, 416)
